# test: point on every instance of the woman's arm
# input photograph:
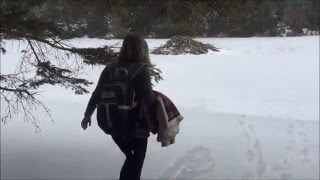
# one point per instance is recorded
(143, 87)
(146, 98)
(95, 94)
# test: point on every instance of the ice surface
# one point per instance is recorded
(251, 111)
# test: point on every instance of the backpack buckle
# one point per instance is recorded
(125, 107)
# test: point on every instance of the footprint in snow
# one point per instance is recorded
(196, 163)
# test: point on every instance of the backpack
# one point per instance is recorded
(117, 100)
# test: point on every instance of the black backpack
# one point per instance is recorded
(117, 100)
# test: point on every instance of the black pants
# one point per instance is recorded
(135, 151)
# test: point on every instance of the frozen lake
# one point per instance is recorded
(251, 111)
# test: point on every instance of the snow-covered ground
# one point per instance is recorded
(251, 111)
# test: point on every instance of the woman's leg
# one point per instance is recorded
(124, 146)
(135, 151)
(139, 148)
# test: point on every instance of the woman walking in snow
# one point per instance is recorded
(133, 141)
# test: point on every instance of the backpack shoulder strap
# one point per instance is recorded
(112, 67)
(134, 69)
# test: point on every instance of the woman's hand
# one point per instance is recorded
(85, 122)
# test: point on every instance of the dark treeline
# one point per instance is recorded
(162, 19)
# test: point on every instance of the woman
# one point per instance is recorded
(134, 50)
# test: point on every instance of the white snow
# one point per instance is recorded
(251, 110)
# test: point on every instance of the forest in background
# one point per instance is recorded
(163, 19)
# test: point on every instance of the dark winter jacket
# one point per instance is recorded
(144, 94)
